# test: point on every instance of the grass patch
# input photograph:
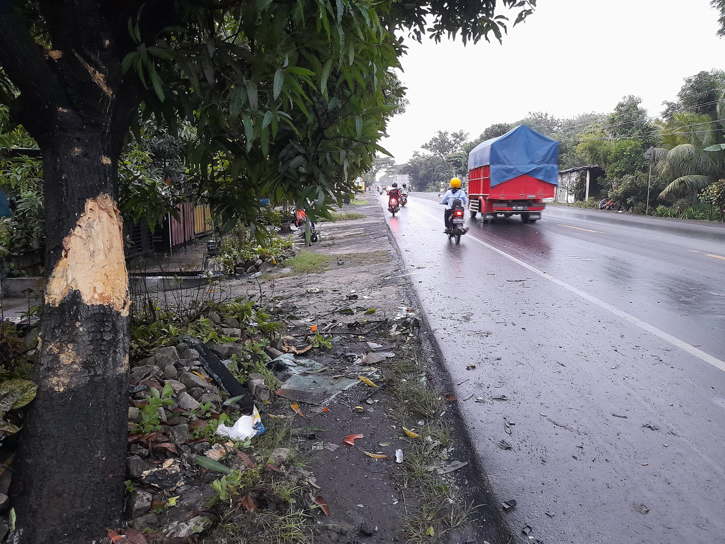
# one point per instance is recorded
(441, 506)
(357, 202)
(346, 216)
(307, 262)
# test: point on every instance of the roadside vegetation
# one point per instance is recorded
(684, 146)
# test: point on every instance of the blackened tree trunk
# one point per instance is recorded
(71, 462)
(68, 478)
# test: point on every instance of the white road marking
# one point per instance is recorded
(577, 228)
(715, 256)
(667, 337)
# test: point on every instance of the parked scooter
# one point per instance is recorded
(456, 229)
(306, 226)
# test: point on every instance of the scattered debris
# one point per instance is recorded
(451, 467)
(375, 455)
(504, 445)
(398, 456)
(367, 381)
(470, 367)
(350, 439)
(244, 428)
(410, 433)
(509, 505)
(642, 509)
(651, 426)
(620, 416)
(319, 501)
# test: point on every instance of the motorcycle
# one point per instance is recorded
(403, 199)
(307, 227)
(456, 230)
(393, 205)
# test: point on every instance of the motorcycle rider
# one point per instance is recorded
(454, 192)
(394, 192)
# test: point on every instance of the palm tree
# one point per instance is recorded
(689, 167)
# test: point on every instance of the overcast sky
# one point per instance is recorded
(569, 57)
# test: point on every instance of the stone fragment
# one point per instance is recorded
(175, 385)
(188, 354)
(139, 503)
(187, 402)
(258, 388)
(225, 351)
(136, 466)
(180, 433)
(191, 380)
(147, 521)
(186, 529)
(143, 372)
(232, 322)
(231, 331)
(170, 371)
(213, 398)
(214, 317)
(134, 414)
(165, 356)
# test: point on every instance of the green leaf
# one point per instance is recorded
(237, 99)
(358, 126)
(248, 131)
(716, 147)
(252, 95)
(161, 53)
(16, 393)
(278, 83)
(156, 82)
(128, 61)
(267, 119)
(263, 4)
(325, 75)
(210, 464)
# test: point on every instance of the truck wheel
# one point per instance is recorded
(525, 218)
(473, 214)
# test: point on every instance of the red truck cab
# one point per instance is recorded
(513, 174)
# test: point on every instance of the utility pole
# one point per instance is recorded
(650, 156)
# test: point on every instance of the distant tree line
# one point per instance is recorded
(683, 146)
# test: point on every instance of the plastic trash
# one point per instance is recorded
(244, 428)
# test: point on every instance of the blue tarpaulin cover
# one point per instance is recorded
(4, 206)
(520, 151)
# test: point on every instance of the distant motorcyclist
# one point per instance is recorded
(454, 192)
(394, 192)
(404, 190)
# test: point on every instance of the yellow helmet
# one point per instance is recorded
(455, 183)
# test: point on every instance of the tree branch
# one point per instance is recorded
(23, 62)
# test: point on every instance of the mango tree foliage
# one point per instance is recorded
(286, 99)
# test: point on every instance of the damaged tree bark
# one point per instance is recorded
(68, 478)
(71, 462)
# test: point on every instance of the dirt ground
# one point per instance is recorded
(364, 296)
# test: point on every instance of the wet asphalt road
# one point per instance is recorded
(599, 351)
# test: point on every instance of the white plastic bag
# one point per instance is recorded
(244, 428)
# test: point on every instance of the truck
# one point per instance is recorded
(513, 174)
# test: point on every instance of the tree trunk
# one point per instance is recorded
(68, 485)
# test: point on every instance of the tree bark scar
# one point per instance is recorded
(97, 77)
(92, 261)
